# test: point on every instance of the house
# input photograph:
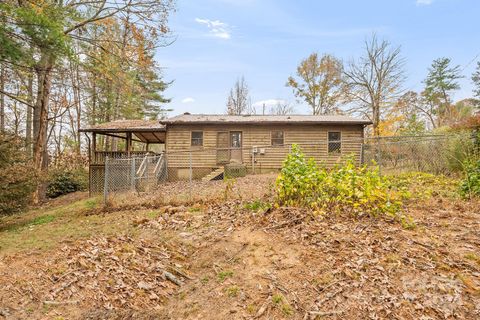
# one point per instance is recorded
(260, 143)
(203, 146)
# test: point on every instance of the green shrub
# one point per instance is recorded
(18, 178)
(345, 188)
(63, 181)
(422, 185)
(470, 185)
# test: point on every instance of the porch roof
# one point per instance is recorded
(148, 131)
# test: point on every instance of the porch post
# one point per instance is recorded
(94, 147)
(129, 143)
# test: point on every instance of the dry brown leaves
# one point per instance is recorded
(281, 263)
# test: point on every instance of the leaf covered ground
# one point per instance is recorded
(227, 253)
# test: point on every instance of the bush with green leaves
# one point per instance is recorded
(470, 185)
(347, 188)
(18, 178)
(62, 181)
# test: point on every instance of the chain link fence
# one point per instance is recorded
(434, 154)
(137, 174)
(438, 154)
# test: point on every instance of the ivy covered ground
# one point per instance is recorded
(231, 253)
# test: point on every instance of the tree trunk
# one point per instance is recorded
(2, 99)
(376, 120)
(44, 73)
(28, 128)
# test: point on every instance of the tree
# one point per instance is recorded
(39, 36)
(238, 101)
(403, 117)
(440, 82)
(375, 80)
(319, 83)
(476, 82)
(16, 174)
(281, 108)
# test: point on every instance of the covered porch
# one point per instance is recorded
(121, 139)
(137, 138)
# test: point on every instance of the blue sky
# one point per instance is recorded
(218, 41)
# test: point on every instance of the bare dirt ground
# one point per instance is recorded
(230, 256)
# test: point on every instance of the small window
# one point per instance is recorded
(197, 138)
(277, 138)
(334, 142)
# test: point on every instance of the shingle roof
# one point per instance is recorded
(148, 131)
(255, 119)
(126, 126)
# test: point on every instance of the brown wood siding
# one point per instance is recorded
(312, 139)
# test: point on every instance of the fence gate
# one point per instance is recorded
(134, 174)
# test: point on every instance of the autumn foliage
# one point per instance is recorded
(347, 188)
(17, 176)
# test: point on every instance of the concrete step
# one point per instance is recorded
(214, 174)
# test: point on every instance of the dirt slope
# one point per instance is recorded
(222, 261)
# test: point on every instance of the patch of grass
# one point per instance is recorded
(232, 291)
(407, 222)
(223, 275)
(204, 280)
(153, 214)
(42, 220)
(71, 223)
(473, 257)
(287, 309)
(257, 205)
(251, 308)
(277, 299)
(195, 208)
(91, 203)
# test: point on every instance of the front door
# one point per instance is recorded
(236, 146)
(223, 146)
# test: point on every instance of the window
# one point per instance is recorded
(277, 138)
(197, 138)
(334, 142)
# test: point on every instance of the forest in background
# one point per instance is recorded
(72, 63)
(64, 64)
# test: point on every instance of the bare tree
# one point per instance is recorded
(319, 83)
(375, 80)
(281, 108)
(238, 101)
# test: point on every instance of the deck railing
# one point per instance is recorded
(99, 156)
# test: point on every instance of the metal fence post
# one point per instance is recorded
(362, 155)
(191, 174)
(105, 183)
(133, 173)
(379, 156)
(253, 159)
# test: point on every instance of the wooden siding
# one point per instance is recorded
(311, 138)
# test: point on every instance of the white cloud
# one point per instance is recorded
(188, 100)
(268, 103)
(424, 2)
(216, 28)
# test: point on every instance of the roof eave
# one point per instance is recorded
(180, 122)
(122, 130)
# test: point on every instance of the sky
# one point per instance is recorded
(218, 41)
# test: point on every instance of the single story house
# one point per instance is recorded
(259, 142)
(203, 145)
